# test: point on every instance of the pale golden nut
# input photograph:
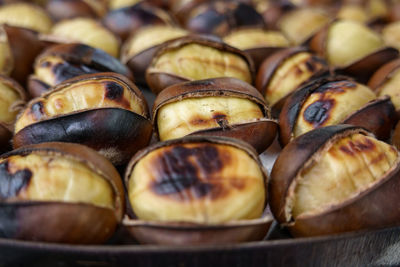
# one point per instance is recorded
(353, 12)
(116, 4)
(255, 37)
(391, 88)
(391, 36)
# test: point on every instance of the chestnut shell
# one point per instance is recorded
(259, 134)
(159, 81)
(373, 208)
(65, 222)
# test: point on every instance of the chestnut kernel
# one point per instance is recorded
(67, 9)
(327, 180)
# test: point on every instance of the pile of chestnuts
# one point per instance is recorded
(155, 118)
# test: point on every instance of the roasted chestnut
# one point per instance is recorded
(221, 17)
(353, 12)
(284, 71)
(391, 35)
(59, 192)
(196, 58)
(104, 111)
(116, 4)
(217, 107)
(335, 179)
(352, 48)
(257, 42)
(138, 51)
(87, 31)
(67, 9)
(128, 19)
(25, 15)
(197, 190)
(61, 62)
(312, 20)
(334, 100)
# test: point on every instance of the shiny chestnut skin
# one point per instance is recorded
(355, 211)
(190, 171)
(61, 62)
(158, 78)
(209, 118)
(331, 100)
(125, 20)
(75, 219)
(355, 50)
(107, 106)
(220, 17)
(67, 9)
(276, 85)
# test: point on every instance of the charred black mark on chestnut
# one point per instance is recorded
(354, 147)
(12, 183)
(185, 172)
(318, 112)
(66, 70)
(114, 91)
(337, 86)
(45, 64)
(37, 110)
(311, 66)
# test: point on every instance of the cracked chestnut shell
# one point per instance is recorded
(352, 48)
(221, 17)
(104, 111)
(197, 58)
(200, 190)
(284, 72)
(257, 42)
(335, 179)
(334, 100)
(126, 20)
(139, 49)
(216, 107)
(61, 62)
(59, 192)
(67, 9)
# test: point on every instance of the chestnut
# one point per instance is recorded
(312, 20)
(116, 4)
(196, 58)
(352, 48)
(59, 192)
(197, 190)
(391, 36)
(128, 19)
(67, 9)
(181, 8)
(220, 17)
(217, 107)
(333, 100)
(87, 31)
(353, 12)
(257, 42)
(25, 15)
(335, 179)
(61, 62)
(104, 111)
(138, 50)
(283, 72)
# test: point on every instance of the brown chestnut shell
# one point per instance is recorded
(62, 221)
(67, 9)
(178, 233)
(373, 208)
(159, 81)
(380, 112)
(259, 134)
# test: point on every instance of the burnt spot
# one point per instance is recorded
(318, 112)
(364, 145)
(64, 71)
(114, 91)
(37, 110)
(311, 65)
(198, 121)
(221, 120)
(336, 86)
(186, 173)
(346, 150)
(12, 183)
(45, 64)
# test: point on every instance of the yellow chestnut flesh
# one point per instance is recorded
(89, 32)
(80, 96)
(391, 35)
(186, 116)
(152, 36)
(197, 62)
(349, 41)
(292, 73)
(180, 183)
(45, 69)
(332, 106)
(115, 4)
(253, 38)
(311, 21)
(60, 178)
(353, 12)
(25, 16)
(8, 99)
(348, 167)
(6, 56)
(391, 88)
